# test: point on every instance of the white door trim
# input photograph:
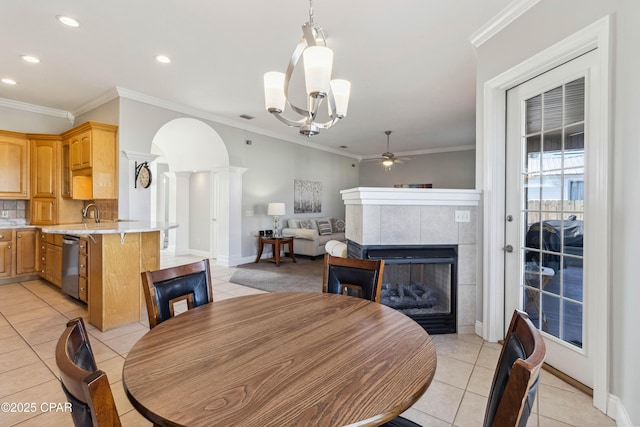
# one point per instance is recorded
(596, 35)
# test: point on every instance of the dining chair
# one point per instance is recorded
(164, 288)
(516, 378)
(354, 277)
(515, 381)
(86, 387)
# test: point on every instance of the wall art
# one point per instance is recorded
(307, 196)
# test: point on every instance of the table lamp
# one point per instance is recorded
(276, 209)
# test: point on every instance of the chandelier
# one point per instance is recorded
(318, 63)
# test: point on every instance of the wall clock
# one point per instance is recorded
(143, 175)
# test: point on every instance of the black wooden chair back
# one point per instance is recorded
(355, 277)
(86, 387)
(166, 287)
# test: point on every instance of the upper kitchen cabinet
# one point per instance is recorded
(92, 160)
(48, 205)
(80, 150)
(44, 160)
(14, 165)
(66, 169)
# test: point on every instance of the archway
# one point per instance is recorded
(191, 189)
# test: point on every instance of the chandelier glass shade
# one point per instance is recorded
(318, 64)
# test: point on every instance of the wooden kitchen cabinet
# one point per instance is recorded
(18, 254)
(14, 165)
(80, 150)
(51, 258)
(43, 211)
(65, 174)
(44, 158)
(83, 268)
(115, 283)
(6, 251)
(41, 252)
(48, 204)
(93, 161)
(26, 254)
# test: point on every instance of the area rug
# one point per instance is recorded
(302, 276)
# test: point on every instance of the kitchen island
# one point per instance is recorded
(118, 252)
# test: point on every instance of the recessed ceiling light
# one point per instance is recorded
(8, 81)
(69, 21)
(164, 59)
(29, 58)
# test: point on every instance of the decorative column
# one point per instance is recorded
(228, 220)
(179, 211)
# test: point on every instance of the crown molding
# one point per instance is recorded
(107, 96)
(17, 105)
(168, 105)
(506, 16)
(134, 155)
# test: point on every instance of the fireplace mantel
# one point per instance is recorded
(410, 196)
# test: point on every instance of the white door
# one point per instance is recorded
(548, 186)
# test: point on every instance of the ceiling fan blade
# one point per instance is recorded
(372, 160)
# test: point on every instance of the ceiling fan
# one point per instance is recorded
(388, 159)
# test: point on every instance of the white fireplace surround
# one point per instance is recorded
(421, 216)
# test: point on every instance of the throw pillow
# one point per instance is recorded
(294, 223)
(324, 227)
(337, 225)
(304, 223)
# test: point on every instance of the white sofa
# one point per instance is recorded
(312, 234)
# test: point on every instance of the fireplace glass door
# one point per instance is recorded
(417, 288)
(420, 281)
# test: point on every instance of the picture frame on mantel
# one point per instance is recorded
(412, 185)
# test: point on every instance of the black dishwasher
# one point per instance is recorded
(70, 277)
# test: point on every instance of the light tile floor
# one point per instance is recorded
(34, 313)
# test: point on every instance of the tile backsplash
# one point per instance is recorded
(108, 208)
(13, 209)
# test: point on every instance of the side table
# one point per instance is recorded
(276, 243)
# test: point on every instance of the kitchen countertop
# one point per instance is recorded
(9, 224)
(117, 227)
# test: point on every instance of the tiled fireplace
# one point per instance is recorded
(418, 280)
(421, 221)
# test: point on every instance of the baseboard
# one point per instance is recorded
(569, 380)
(468, 329)
(203, 254)
(479, 328)
(617, 411)
(19, 279)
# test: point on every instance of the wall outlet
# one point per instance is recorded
(5, 214)
(463, 216)
(248, 213)
(91, 214)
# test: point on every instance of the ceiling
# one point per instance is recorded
(410, 63)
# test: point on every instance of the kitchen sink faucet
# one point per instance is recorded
(86, 209)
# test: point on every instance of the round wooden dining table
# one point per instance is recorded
(280, 359)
